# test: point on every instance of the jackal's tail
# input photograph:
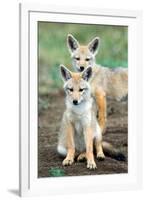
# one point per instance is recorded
(112, 152)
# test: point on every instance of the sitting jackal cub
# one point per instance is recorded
(79, 126)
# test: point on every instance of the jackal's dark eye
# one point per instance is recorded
(70, 89)
(77, 58)
(87, 59)
(81, 89)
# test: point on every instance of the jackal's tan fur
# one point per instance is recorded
(106, 82)
(79, 126)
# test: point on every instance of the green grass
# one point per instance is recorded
(56, 172)
(53, 50)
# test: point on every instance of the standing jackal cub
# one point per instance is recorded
(106, 82)
(79, 126)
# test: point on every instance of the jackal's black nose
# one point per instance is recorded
(81, 68)
(75, 102)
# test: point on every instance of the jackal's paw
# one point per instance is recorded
(81, 157)
(100, 156)
(91, 164)
(68, 161)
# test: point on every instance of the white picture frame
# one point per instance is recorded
(30, 184)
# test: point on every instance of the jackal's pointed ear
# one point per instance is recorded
(72, 43)
(87, 73)
(65, 73)
(94, 45)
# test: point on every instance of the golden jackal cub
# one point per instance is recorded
(106, 82)
(79, 125)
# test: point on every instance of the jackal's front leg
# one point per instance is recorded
(101, 103)
(70, 145)
(88, 134)
(99, 150)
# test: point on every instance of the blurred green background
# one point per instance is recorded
(53, 51)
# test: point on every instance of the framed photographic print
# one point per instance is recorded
(80, 92)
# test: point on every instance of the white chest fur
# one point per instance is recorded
(80, 114)
(80, 117)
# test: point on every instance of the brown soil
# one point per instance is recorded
(49, 123)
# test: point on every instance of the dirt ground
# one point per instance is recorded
(49, 162)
